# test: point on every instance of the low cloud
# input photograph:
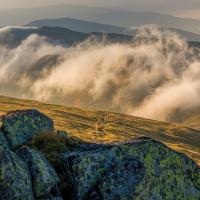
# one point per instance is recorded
(154, 75)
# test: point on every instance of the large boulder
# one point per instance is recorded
(44, 177)
(20, 126)
(144, 169)
(15, 180)
(3, 141)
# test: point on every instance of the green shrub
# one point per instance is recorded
(51, 144)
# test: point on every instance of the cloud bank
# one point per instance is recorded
(155, 75)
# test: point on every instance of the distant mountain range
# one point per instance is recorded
(119, 18)
(89, 27)
(13, 36)
(77, 25)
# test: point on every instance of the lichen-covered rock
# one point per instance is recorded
(88, 170)
(44, 177)
(144, 169)
(124, 176)
(15, 180)
(20, 126)
(52, 198)
(3, 141)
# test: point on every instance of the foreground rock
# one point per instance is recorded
(44, 177)
(3, 141)
(20, 126)
(15, 180)
(144, 169)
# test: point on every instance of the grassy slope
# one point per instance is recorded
(192, 120)
(106, 127)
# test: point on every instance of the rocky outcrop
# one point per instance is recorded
(20, 126)
(25, 174)
(15, 180)
(44, 177)
(3, 141)
(144, 169)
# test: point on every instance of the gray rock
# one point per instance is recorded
(123, 177)
(20, 126)
(15, 180)
(52, 198)
(144, 169)
(3, 141)
(44, 177)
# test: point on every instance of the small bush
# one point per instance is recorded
(51, 144)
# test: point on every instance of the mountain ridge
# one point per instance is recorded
(73, 24)
(13, 36)
(90, 26)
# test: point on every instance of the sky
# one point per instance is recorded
(181, 8)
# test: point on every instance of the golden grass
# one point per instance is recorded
(107, 127)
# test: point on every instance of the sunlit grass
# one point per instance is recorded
(107, 127)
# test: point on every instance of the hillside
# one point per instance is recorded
(107, 127)
(191, 118)
(13, 36)
(89, 27)
(77, 25)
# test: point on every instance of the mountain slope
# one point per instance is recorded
(77, 25)
(107, 127)
(13, 36)
(88, 27)
(191, 118)
(189, 36)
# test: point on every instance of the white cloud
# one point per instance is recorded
(153, 76)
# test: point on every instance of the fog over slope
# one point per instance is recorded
(155, 75)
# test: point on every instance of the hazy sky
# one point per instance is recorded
(183, 8)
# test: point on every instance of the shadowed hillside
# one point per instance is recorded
(77, 25)
(107, 127)
(89, 27)
(13, 36)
